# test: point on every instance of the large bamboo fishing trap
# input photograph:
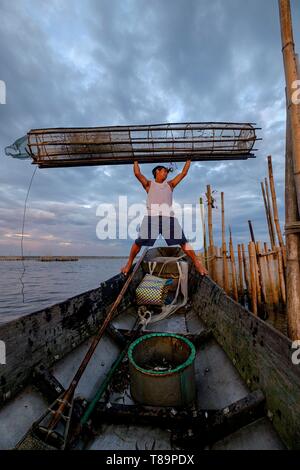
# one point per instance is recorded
(62, 147)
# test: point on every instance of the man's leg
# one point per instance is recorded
(188, 250)
(135, 249)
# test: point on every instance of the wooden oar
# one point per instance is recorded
(66, 399)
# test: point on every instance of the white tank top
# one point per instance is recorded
(159, 200)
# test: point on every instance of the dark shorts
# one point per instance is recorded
(155, 225)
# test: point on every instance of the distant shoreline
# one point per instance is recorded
(57, 258)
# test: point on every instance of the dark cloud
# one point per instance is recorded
(98, 62)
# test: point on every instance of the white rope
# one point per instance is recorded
(152, 266)
(168, 310)
(144, 316)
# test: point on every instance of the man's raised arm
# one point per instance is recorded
(181, 175)
(142, 179)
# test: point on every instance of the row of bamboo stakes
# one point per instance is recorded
(253, 275)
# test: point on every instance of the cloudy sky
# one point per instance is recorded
(110, 62)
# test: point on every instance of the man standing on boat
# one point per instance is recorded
(160, 218)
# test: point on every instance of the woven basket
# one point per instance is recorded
(153, 290)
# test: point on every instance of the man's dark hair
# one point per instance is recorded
(159, 167)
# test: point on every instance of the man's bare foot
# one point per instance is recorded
(125, 270)
(200, 268)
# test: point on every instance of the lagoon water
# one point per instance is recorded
(46, 283)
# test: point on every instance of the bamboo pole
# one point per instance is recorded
(202, 214)
(273, 292)
(246, 277)
(218, 263)
(281, 275)
(211, 251)
(262, 280)
(252, 263)
(251, 231)
(233, 268)
(268, 287)
(224, 249)
(292, 242)
(291, 75)
(210, 222)
(257, 277)
(241, 283)
(202, 258)
(266, 210)
(277, 270)
(270, 215)
(275, 209)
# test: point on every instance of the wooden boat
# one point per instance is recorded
(248, 389)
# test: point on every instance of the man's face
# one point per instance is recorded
(161, 175)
